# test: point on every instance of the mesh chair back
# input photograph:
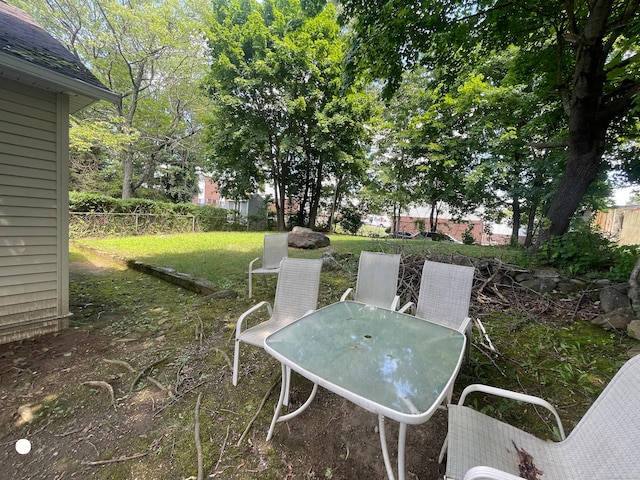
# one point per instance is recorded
(606, 441)
(377, 281)
(297, 288)
(275, 248)
(445, 293)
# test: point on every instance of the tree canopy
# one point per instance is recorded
(281, 114)
(152, 53)
(580, 54)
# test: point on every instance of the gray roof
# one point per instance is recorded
(29, 53)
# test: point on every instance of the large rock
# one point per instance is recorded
(633, 329)
(301, 237)
(618, 319)
(614, 297)
(330, 260)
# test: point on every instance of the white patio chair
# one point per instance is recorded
(444, 296)
(296, 295)
(275, 248)
(604, 444)
(377, 282)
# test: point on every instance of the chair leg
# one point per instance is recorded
(250, 280)
(443, 450)
(236, 362)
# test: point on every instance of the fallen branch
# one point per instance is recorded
(264, 400)
(197, 435)
(105, 386)
(224, 445)
(116, 460)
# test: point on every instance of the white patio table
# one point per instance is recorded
(392, 364)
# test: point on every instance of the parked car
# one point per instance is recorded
(402, 235)
(438, 236)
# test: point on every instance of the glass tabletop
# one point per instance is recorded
(391, 363)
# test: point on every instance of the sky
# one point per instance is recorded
(622, 196)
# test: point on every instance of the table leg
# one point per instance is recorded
(284, 394)
(402, 436)
(283, 387)
(385, 449)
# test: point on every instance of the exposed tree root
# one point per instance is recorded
(105, 386)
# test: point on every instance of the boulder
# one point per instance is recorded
(614, 297)
(541, 284)
(618, 319)
(301, 237)
(330, 260)
(633, 329)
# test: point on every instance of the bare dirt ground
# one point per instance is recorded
(114, 397)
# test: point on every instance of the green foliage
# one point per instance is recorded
(150, 52)
(467, 237)
(351, 219)
(281, 114)
(91, 202)
(146, 216)
(585, 251)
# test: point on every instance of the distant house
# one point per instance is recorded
(208, 193)
(41, 83)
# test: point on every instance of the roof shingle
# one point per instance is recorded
(22, 37)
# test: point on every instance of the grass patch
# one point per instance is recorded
(223, 257)
(565, 360)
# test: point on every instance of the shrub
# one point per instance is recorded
(208, 218)
(351, 219)
(584, 250)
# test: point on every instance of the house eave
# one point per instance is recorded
(81, 94)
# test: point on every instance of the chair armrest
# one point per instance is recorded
(243, 317)
(465, 327)
(407, 306)
(252, 262)
(347, 292)
(396, 303)
(488, 473)
(521, 397)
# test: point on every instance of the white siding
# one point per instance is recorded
(33, 211)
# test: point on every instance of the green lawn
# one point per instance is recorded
(223, 257)
(548, 351)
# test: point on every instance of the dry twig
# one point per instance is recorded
(115, 460)
(264, 400)
(526, 466)
(196, 429)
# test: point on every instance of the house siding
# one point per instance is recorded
(33, 211)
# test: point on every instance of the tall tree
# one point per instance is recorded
(585, 52)
(280, 115)
(153, 53)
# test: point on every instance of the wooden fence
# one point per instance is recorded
(621, 224)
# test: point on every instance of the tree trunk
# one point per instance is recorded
(334, 203)
(127, 175)
(588, 124)
(316, 193)
(515, 227)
